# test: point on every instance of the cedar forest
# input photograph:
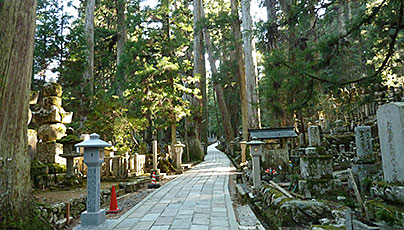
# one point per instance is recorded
(197, 69)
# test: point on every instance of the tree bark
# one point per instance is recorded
(250, 66)
(120, 43)
(88, 76)
(272, 26)
(122, 33)
(241, 68)
(194, 144)
(225, 115)
(17, 33)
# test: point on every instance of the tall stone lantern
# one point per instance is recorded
(256, 152)
(93, 158)
(178, 148)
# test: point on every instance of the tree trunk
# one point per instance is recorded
(272, 26)
(120, 43)
(194, 144)
(250, 66)
(88, 76)
(204, 125)
(241, 68)
(225, 115)
(17, 33)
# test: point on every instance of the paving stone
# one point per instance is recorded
(150, 217)
(160, 227)
(127, 223)
(195, 200)
(143, 225)
(164, 220)
(199, 227)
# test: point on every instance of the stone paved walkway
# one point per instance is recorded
(199, 199)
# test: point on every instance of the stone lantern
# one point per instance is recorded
(256, 152)
(93, 158)
(69, 153)
(178, 148)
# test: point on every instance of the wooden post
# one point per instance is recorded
(67, 213)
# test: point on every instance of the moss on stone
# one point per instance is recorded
(391, 214)
(69, 139)
(321, 150)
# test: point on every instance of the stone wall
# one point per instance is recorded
(55, 214)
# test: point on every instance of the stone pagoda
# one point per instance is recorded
(51, 117)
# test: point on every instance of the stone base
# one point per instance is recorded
(92, 218)
(310, 188)
(390, 192)
(49, 152)
(316, 167)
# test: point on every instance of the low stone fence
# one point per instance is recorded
(55, 214)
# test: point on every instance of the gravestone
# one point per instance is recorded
(363, 139)
(314, 136)
(390, 122)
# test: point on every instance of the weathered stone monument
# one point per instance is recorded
(93, 158)
(32, 133)
(364, 164)
(178, 148)
(314, 136)
(51, 117)
(69, 153)
(363, 140)
(390, 121)
(317, 173)
(256, 152)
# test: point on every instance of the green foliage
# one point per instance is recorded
(335, 48)
(51, 23)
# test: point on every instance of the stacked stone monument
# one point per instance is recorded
(51, 117)
(32, 133)
(316, 168)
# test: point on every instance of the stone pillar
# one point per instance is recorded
(231, 148)
(390, 122)
(256, 152)
(115, 166)
(314, 136)
(155, 155)
(342, 148)
(178, 148)
(93, 158)
(363, 140)
(243, 146)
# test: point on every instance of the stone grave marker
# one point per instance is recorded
(390, 122)
(314, 136)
